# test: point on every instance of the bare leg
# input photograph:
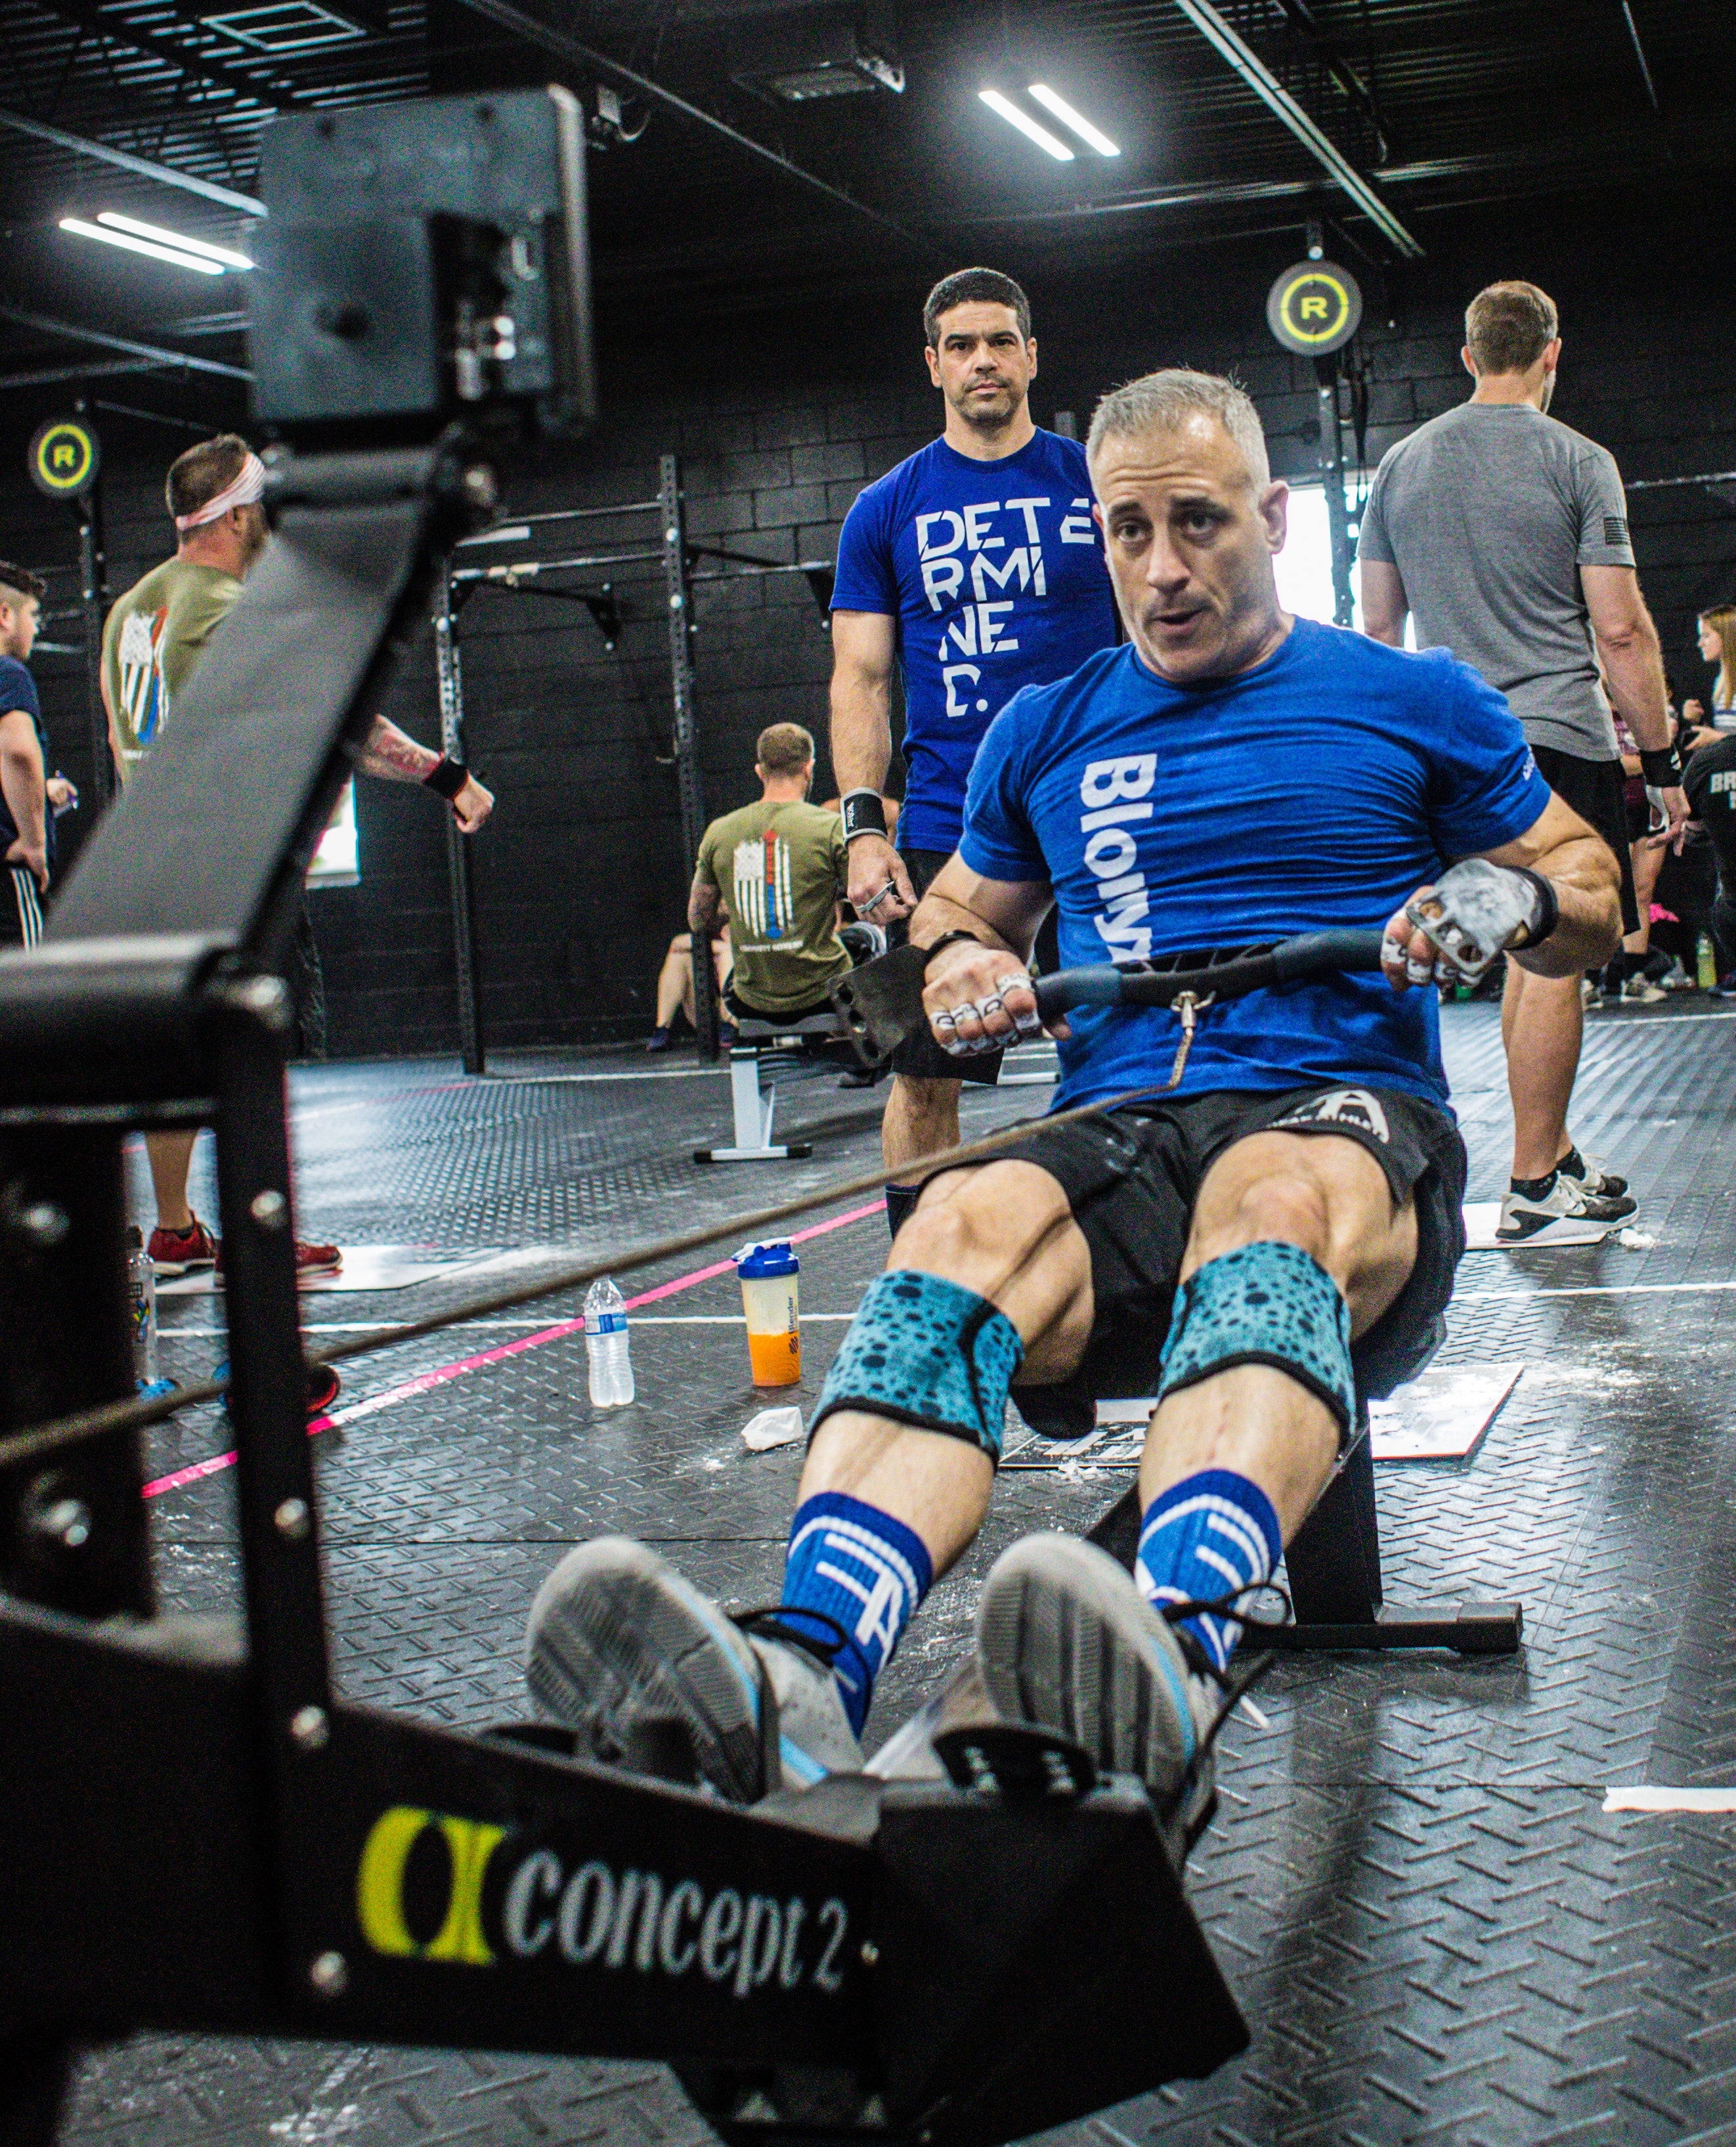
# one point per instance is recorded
(1330, 1197)
(1542, 1025)
(170, 1156)
(675, 982)
(1005, 1231)
(921, 1120)
(1647, 858)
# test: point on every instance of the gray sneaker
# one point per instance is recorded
(1065, 1640)
(654, 1677)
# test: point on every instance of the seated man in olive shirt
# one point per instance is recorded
(777, 867)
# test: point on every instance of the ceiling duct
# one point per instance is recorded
(800, 58)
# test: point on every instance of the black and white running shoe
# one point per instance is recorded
(1524, 1214)
(1593, 1175)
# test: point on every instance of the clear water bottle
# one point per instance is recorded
(142, 1288)
(606, 1345)
(1705, 964)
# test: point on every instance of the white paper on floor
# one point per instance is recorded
(772, 1427)
(369, 1267)
(1482, 1217)
(1440, 1417)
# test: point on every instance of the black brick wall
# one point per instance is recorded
(780, 420)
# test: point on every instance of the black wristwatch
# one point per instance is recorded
(446, 777)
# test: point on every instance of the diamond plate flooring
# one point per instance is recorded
(1435, 1931)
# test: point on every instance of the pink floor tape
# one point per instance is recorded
(425, 1382)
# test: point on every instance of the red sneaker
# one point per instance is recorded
(309, 1259)
(174, 1252)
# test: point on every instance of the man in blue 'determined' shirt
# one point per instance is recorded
(1263, 1252)
(973, 568)
(27, 815)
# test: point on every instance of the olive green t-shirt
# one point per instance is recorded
(153, 638)
(780, 869)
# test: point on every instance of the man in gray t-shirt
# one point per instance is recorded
(1488, 512)
(1504, 534)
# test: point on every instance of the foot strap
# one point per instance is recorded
(927, 1352)
(1264, 1303)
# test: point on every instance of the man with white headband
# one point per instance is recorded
(152, 641)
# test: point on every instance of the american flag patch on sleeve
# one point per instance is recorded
(1615, 528)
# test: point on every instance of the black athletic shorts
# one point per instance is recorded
(920, 1054)
(1132, 1178)
(21, 906)
(1596, 789)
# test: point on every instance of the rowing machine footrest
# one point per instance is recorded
(1332, 1567)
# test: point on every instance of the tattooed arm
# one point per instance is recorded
(393, 755)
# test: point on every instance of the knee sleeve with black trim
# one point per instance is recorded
(927, 1352)
(1263, 1303)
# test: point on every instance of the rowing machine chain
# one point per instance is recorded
(1190, 1006)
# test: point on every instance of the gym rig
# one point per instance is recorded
(201, 1835)
(666, 545)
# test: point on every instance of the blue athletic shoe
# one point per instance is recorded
(654, 1677)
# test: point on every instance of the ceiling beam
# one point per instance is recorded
(1359, 91)
(46, 376)
(1206, 193)
(123, 160)
(1639, 53)
(1230, 45)
(157, 353)
(157, 45)
(534, 31)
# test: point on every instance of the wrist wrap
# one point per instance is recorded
(1548, 905)
(446, 777)
(865, 813)
(946, 939)
(1661, 767)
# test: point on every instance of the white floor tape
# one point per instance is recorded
(381, 1267)
(1670, 1800)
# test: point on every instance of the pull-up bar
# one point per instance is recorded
(531, 578)
(522, 523)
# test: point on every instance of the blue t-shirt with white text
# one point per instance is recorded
(1319, 790)
(17, 690)
(994, 571)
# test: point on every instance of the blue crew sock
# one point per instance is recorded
(1207, 1537)
(852, 1564)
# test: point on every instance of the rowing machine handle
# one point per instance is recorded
(1308, 954)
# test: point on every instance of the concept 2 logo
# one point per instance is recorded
(431, 1886)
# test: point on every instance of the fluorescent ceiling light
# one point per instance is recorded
(227, 255)
(1093, 137)
(1026, 125)
(83, 230)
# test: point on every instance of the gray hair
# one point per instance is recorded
(1164, 402)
